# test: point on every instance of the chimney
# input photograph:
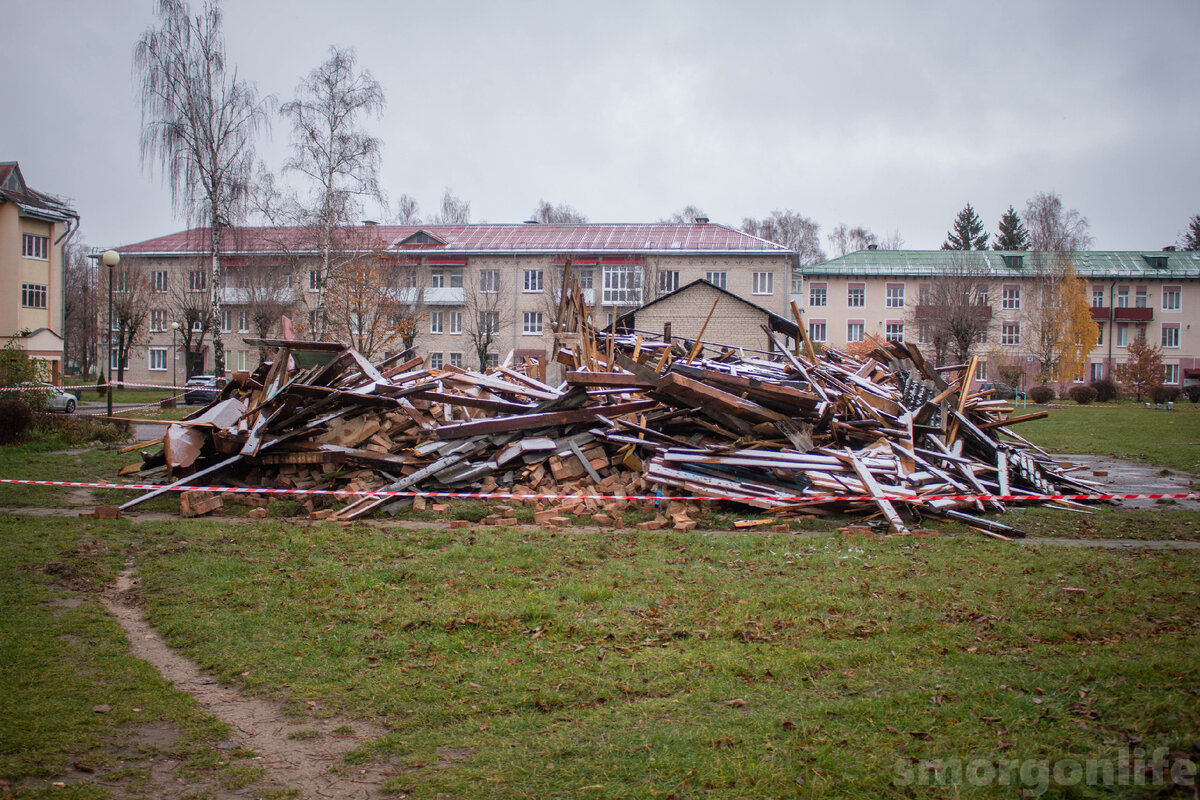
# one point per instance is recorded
(872, 247)
(1169, 248)
(701, 220)
(531, 222)
(370, 223)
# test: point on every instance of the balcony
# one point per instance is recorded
(243, 296)
(1100, 314)
(589, 296)
(445, 296)
(405, 295)
(934, 312)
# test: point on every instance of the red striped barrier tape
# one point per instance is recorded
(1008, 498)
(92, 386)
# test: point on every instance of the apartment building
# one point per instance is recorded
(34, 230)
(1133, 293)
(454, 280)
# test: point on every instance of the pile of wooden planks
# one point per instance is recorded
(883, 435)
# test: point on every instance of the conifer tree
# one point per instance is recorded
(968, 232)
(1191, 237)
(1013, 233)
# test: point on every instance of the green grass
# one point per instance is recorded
(43, 458)
(1122, 430)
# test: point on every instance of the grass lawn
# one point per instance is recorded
(608, 665)
(1123, 430)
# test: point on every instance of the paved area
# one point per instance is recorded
(1129, 477)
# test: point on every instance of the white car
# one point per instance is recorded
(54, 397)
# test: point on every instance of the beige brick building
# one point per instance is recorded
(457, 281)
(883, 292)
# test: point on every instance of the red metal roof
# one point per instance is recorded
(518, 238)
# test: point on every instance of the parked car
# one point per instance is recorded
(202, 389)
(53, 398)
(1003, 391)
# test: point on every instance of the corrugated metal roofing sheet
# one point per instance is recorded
(1088, 263)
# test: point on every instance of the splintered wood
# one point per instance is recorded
(886, 436)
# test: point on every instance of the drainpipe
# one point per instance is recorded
(1112, 329)
(516, 296)
(65, 239)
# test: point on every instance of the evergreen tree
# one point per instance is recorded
(1191, 237)
(968, 233)
(1013, 233)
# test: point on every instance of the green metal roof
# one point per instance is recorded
(1103, 264)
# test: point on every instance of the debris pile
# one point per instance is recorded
(794, 434)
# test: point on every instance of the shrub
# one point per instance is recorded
(1164, 394)
(1106, 390)
(101, 387)
(15, 419)
(1041, 394)
(1193, 393)
(1082, 394)
(81, 429)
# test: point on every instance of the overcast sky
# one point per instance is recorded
(884, 114)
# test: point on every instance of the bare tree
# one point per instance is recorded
(487, 312)
(130, 308)
(844, 239)
(333, 152)
(363, 312)
(81, 309)
(892, 241)
(792, 230)
(559, 214)
(188, 305)
(268, 295)
(199, 122)
(454, 211)
(688, 213)
(1053, 228)
(953, 312)
(408, 212)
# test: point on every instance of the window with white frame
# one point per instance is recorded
(456, 360)
(622, 285)
(894, 332)
(226, 321)
(533, 280)
(1141, 298)
(492, 360)
(818, 295)
(894, 296)
(437, 278)
(455, 320)
(455, 277)
(1010, 334)
(243, 322)
(716, 278)
(159, 280)
(198, 325)
(1170, 373)
(1097, 297)
(923, 294)
(922, 334)
(114, 358)
(1170, 336)
(1010, 298)
(158, 320)
(120, 281)
(816, 330)
(764, 283)
(35, 246)
(668, 280)
(435, 321)
(856, 295)
(158, 359)
(797, 283)
(489, 281)
(435, 361)
(1122, 336)
(197, 280)
(1097, 371)
(855, 331)
(314, 280)
(34, 295)
(445, 277)
(583, 277)
(531, 324)
(1172, 298)
(1123, 297)
(981, 370)
(489, 322)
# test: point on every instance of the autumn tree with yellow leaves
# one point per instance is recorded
(1059, 331)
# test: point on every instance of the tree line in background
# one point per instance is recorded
(200, 122)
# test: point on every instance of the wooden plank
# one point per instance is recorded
(889, 511)
(545, 419)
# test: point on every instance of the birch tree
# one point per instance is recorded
(792, 230)
(454, 210)
(562, 213)
(199, 123)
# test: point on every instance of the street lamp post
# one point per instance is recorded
(110, 259)
(174, 355)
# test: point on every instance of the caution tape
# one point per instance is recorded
(94, 386)
(833, 498)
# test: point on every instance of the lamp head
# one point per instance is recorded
(174, 326)
(111, 258)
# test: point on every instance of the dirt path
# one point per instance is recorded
(302, 763)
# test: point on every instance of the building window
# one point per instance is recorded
(455, 321)
(981, 370)
(442, 278)
(764, 283)
(1170, 336)
(1010, 334)
(923, 294)
(1010, 298)
(1123, 297)
(435, 360)
(35, 246)
(716, 278)
(120, 281)
(226, 321)
(1014, 262)
(314, 323)
(1099, 333)
(1097, 372)
(489, 322)
(855, 331)
(797, 283)
(314, 280)
(489, 281)
(583, 277)
(113, 359)
(243, 322)
(1170, 373)
(816, 330)
(895, 295)
(622, 285)
(1097, 297)
(532, 324)
(1172, 298)
(533, 280)
(981, 337)
(1122, 336)
(34, 295)
(894, 332)
(1140, 298)
(456, 360)
(818, 295)
(159, 278)
(197, 280)
(856, 296)
(158, 321)
(158, 359)
(435, 321)
(668, 280)
(922, 334)
(492, 361)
